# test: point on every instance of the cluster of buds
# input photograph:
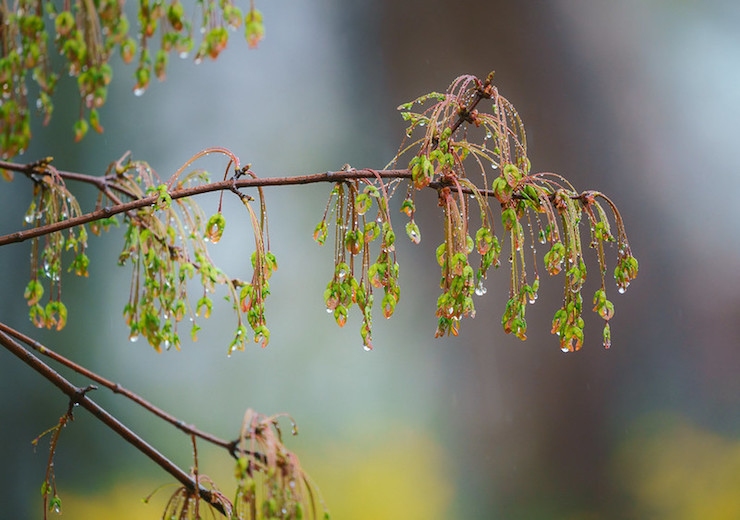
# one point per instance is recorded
(545, 204)
(86, 35)
(354, 233)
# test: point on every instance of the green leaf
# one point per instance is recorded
(215, 228)
(412, 230)
(319, 234)
(34, 291)
(81, 126)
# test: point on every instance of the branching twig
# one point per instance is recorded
(77, 395)
(334, 176)
(118, 389)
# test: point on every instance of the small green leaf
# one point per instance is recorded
(215, 228)
(372, 231)
(363, 203)
(80, 128)
(34, 291)
(319, 234)
(254, 30)
(206, 305)
(407, 207)
(412, 230)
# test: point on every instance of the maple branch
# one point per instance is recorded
(116, 388)
(78, 396)
(108, 211)
(232, 184)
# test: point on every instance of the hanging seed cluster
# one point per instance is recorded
(86, 34)
(270, 480)
(471, 130)
(52, 203)
(354, 275)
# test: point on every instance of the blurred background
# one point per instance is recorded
(638, 99)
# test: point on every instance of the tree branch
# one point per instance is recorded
(337, 176)
(77, 395)
(118, 389)
(229, 184)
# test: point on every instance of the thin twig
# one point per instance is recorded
(118, 389)
(77, 395)
(108, 211)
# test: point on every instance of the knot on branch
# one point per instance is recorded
(41, 165)
(469, 116)
(79, 394)
(242, 171)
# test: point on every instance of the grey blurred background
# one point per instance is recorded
(639, 99)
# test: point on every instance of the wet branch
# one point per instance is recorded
(229, 184)
(78, 396)
(118, 389)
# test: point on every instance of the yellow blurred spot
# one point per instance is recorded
(122, 501)
(398, 474)
(674, 469)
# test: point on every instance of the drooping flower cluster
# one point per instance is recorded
(52, 203)
(471, 127)
(348, 207)
(86, 34)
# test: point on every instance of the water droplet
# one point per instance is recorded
(494, 165)
(367, 348)
(167, 344)
(480, 290)
(532, 298)
(183, 55)
(133, 337)
(488, 135)
(564, 349)
(329, 311)
(342, 274)
(139, 92)
(622, 289)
